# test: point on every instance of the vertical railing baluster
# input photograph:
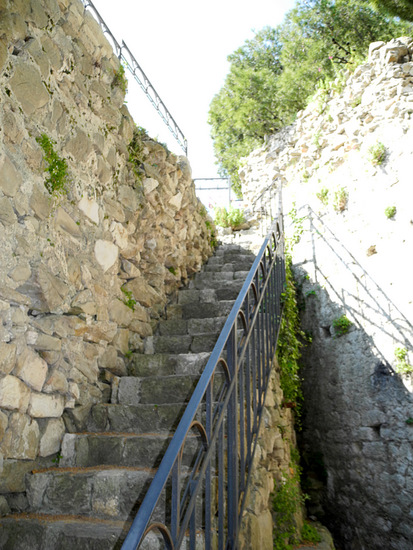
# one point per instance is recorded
(233, 438)
(176, 498)
(192, 523)
(208, 481)
(221, 480)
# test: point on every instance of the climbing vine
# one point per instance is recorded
(289, 342)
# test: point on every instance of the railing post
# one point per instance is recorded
(232, 420)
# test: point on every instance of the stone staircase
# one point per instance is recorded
(90, 498)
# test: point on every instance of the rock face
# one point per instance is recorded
(84, 274)
(354, 258)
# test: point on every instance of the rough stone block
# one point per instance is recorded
(45, 406)
(27, 86)
(14, 394)
(21, 439)
(52, 436)
(10, 177)
(7, 357)
(32, 369)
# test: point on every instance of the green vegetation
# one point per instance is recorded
(136, 151)
(310, 534)
(402, 365)
(376, 154)
(120, 80)
(275, 74)
(212, 239)
(289, 343)
(396, 8)
(57, 169)
(233, 217)
(340, 199)
(128, 299)
(390, 212)
(322, 195)
(341, 325)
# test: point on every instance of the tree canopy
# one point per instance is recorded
(395, 8)
(272, 76)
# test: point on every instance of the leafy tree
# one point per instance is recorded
(318, 38)
(244, 110)
(274, 75)
(396, 8)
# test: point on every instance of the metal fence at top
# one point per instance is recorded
(126, 56)
(199, 491)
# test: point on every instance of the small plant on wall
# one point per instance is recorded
(56, 168)
(341, 325)
(340, 199)
(390, 212)
(376, 153)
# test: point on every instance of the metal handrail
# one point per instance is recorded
(137, 72)
(226, 411)
(267, 207)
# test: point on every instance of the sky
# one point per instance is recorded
(182, 46)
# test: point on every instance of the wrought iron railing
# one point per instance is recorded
(204, 491)
(265, 206)
(126, 56)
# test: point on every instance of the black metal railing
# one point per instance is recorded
(265, 205)
(126, 56)
(202, 480)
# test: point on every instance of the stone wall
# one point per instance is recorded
(83, 275)
(353, 259)
(272, 463)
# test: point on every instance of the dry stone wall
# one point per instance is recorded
(354, 259)
(83, 275)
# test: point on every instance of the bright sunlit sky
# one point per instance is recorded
(182, 46)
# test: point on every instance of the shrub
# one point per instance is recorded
(322, 195)
(340, 199)
(402, 365)
(377, 153)
(233, 217)
(390, 212)
(341, 325)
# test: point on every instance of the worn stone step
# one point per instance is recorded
(65, 532)
(216, 283)
(244, 265)
(206, 311)
(185, 343)
(193, 295)
(106, 492)
(166, 364)
(190, 326)
(136, 450)
(156, 389)
(112, 417)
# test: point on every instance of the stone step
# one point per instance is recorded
(143, 418)
(206, 311)
(192, 327)
(214, 281)
(158, 390)
(69, 532)
(105, 492)
(65, 532)
(166, 364)
(236, 265)
(110, 449)
(185, 343)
